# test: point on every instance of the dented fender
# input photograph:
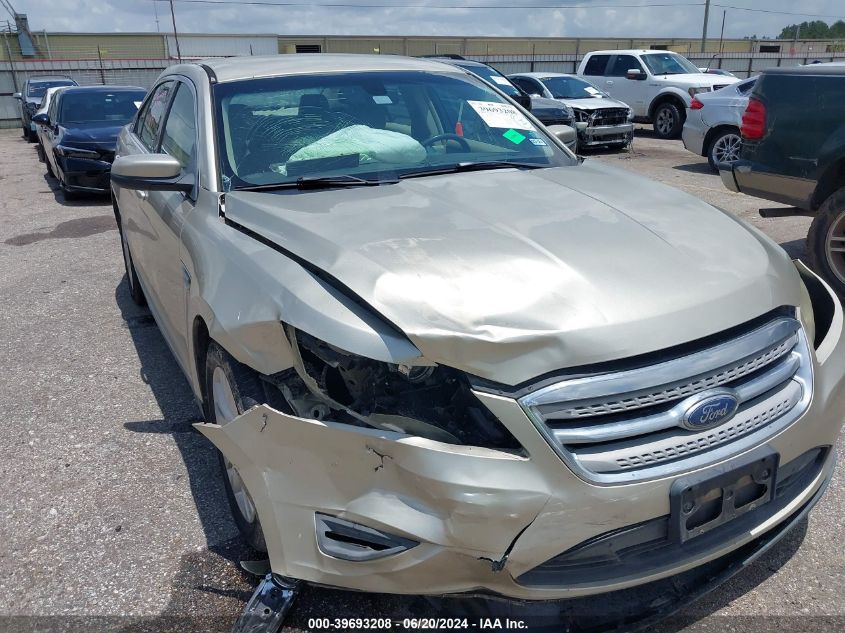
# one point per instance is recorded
(473, 501)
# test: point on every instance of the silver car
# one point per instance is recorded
(440, 354)
(599, 119)
(713, 121)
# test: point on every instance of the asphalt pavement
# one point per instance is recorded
(113, 511)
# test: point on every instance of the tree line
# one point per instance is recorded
(815, 30)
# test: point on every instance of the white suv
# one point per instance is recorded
(658, 85)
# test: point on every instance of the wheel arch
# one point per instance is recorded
(713, 132)
(671, 97)
(832, 180)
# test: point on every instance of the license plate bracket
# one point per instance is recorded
(702, 502)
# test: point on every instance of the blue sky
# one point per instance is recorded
(599, 18)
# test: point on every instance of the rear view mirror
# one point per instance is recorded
(42, 119)
(524, 100)
(635, 73)
(150, 172)
(17, 96)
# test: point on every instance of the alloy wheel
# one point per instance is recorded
(834, 247)
(726, 148)
(665, 121)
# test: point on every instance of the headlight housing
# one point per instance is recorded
(428, 401)
(76, 152)
(698, 90)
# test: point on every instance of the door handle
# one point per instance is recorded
(141, 194)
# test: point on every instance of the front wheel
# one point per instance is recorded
(233, 388)
(826, 241)
(668, 120)
(724, 148)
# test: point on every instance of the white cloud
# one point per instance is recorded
(680, 21)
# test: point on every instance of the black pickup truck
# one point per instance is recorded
(793, 151)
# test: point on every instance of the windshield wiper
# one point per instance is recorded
(318, 182)
(479, 166)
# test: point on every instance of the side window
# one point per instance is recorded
(622, 64)
(596, 65)
(180, 128)
(530, 86)
(150, 121)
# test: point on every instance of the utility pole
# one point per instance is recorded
(722, 34)
(176, 36)
(704, 30)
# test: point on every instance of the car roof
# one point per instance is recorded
(238, 68)
(629, 51)
(107, 88)
(35, 78)
(811, 69)
(540, 75)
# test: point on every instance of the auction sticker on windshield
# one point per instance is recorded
(501, 115)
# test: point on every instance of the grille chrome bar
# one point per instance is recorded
(560, 400)
(626, 426)
(667, 419)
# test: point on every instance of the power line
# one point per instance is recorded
(800, 15)
(368, 5)
(491, 7)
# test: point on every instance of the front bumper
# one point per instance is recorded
(480, 519)
(85, 175)
(604, 134)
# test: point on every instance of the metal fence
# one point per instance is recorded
(140, 67)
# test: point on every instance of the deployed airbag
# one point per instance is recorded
(372, 145)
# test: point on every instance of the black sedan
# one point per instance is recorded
(79, 133)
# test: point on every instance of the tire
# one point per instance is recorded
(135, 290)
(828, 231)
(40, 151)
(24, 131)
(49, 167)
(31, 136)
(224, 374)
(668, 120)
(723, 148)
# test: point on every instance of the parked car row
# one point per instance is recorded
(439, 354)
(31, 97)
(793, 152)
(76, 130)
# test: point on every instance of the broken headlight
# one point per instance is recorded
(434, 402)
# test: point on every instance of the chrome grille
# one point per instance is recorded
(626, 425)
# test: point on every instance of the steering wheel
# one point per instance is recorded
(460, 140)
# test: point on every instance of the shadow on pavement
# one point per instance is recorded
(696, 168)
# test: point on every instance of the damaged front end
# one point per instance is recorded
(365, 469)
(423, 400)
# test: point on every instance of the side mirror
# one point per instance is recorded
(17, 96)
(150, 172)
(635, 74)
(565, 134)
(524, 100)
(41, 119)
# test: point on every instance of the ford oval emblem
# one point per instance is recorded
(710, 412)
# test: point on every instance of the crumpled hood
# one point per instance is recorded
(512, 274)
(92, 134)
(594, 103)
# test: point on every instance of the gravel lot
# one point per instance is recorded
(113, 512)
